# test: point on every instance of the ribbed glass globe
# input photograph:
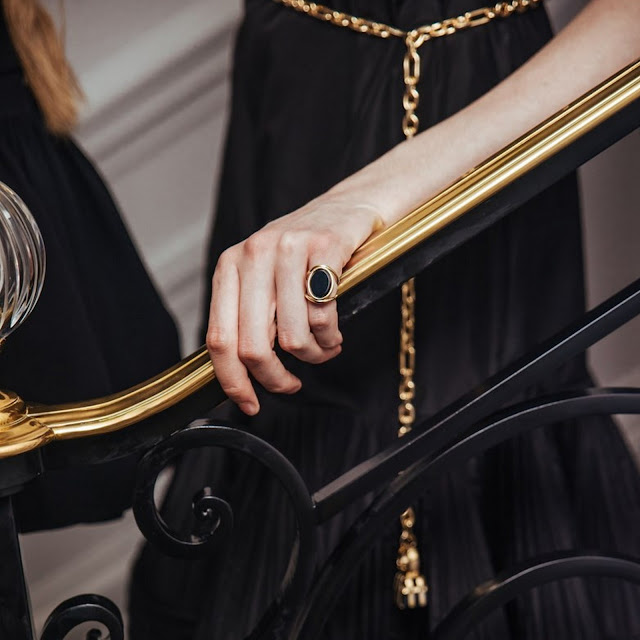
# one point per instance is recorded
(22, 261)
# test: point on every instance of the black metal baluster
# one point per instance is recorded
(15, 616)
(407, 487)
(510, 584)
(215, 518)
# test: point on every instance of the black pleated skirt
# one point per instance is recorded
(313, 103)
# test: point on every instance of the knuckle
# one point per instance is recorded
(251, 354)
(290, 342)
(279, 386)
(218, 341)
(236, 392)
(321, 319)
(321, 323)
(289, 242)
(327, 240)
(224, 267)
(255, 246)
(318, 358)
(226, 259)
(330, 341)
(330, 354)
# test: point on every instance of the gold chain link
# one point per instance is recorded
(474, 18)
(410, 585)
(413, 39)
(407, 356)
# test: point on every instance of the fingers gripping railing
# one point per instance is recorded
(488, 191)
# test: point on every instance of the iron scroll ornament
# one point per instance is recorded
(80, 610)
(214, 516)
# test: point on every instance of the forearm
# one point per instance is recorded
(602, 39)
(262, 277)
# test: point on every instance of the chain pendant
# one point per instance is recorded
(410, 586)
(411, 590)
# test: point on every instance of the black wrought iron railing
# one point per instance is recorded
(157, 417)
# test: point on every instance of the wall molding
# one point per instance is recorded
(159, 81)
(167, 93)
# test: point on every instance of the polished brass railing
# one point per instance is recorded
(494, 174)
(24, 427)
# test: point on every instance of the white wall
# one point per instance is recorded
(156, 76)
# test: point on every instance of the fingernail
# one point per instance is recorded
(250, 408)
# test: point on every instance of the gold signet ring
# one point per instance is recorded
(321, 284)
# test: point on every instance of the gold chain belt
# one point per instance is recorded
(410, 585)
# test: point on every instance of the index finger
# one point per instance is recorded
(222, 338)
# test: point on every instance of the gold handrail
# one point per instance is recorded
(495, 173)
(128, 407)
(41, 424)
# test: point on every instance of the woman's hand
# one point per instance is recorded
(263, 278)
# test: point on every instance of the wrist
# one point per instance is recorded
(365, 201)
(385, 186)
(362, 211)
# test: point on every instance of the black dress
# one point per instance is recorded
(313, 103)
(99, 326)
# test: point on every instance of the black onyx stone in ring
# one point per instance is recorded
(321, 284)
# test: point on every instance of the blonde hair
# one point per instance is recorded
(47, 70)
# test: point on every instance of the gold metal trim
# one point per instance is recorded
(128, 407)
(19, 432)
(23, 428)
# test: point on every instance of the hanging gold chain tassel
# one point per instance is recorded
(410, 585)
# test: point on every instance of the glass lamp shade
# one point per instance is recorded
(22, 261)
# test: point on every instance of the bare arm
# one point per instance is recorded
(602, 39)
(265, 273)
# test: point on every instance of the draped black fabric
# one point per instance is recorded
(99, 326)
(312, 103)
